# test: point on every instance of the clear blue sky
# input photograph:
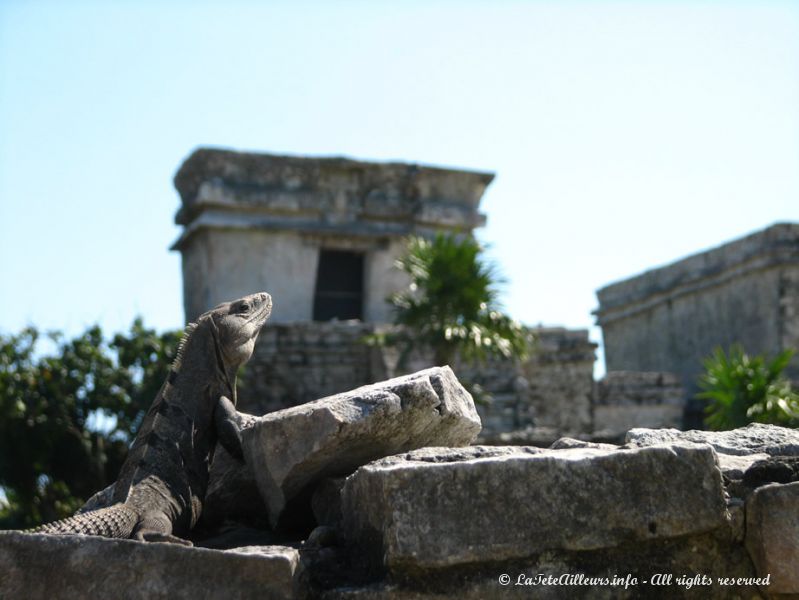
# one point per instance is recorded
(624, 135)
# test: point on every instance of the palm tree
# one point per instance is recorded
(451, 306)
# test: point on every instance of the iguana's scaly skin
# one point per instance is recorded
(162, 484)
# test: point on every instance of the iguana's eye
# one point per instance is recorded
(244, 307)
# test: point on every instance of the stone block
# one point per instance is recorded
(290, 449)
(752, 439)
(84, 567)
(439, 507)
(772, 535)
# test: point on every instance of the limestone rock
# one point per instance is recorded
(290, 449)
(83, 567)
(438, 507)
(772, 535)
(754, 438)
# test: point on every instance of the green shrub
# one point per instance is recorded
(67, 417)
(742, 389)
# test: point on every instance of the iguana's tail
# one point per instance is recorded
(116, 521)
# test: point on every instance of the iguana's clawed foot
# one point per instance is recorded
(154, 536)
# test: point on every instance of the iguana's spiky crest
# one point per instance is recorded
(189, 329)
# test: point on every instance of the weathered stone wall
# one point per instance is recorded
(300, 362)
(220, 264)
(294, 363)
(628, 399)
(789, 314)
(258, 222)
(561, 376)
(552, 390)
(670, 318)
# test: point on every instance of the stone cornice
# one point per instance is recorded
(320, 194)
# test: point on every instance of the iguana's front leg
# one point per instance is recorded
(228, 430)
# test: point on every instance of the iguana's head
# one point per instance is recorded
(236, 325)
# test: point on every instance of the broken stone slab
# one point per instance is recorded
(754, 438)
(290, 449)
(772, 535)
(88, 567)
(439, 507)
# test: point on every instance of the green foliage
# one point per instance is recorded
(744, 389)
(66, 418)
(451, 305)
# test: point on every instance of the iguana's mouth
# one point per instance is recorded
(260, 316)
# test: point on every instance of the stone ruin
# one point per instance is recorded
(669, 319)
(381, 492)
(377, 494)
(322, 234)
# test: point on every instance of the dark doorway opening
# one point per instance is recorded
(339, 286)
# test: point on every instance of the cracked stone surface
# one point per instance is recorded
(438, 507)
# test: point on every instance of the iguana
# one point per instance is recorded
(162, 483)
